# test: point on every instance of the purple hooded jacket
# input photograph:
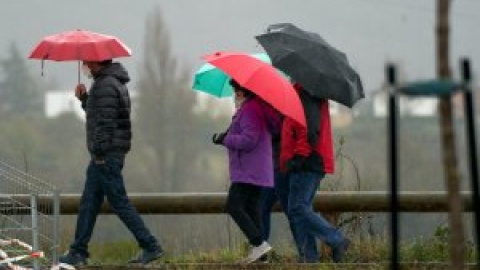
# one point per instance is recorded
(249, 145)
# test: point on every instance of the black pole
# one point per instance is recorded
(472, 147)
(393, 151)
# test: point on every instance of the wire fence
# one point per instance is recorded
(29, 223)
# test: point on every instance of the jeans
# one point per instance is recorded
(268, 198)
(303, 187)
(307, 252)
(106, 180)
(243, 205)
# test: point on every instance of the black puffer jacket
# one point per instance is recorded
(107, 106)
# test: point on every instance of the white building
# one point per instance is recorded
(61, 102)
(58, 102)
(408, 106)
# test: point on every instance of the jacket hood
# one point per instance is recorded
(116, 70)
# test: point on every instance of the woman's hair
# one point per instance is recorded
(236, 85)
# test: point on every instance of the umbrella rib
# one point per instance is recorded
(284, 98)
(109, 48)
(253, 71)
(77, 47)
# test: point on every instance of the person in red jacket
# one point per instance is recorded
(306, 155)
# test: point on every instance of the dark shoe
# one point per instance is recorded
(73, 259)
(264, 259)
(339, 251)
(146, 257)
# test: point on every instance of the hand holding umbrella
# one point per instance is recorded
(80, 90)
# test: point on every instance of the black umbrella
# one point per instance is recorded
(309, 60)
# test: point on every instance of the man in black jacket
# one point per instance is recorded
(107, 107)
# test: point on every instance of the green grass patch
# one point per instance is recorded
(363, 250)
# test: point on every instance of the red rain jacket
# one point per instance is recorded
(292, 145)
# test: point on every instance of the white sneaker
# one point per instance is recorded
(257, 252)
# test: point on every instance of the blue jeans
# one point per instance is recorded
(308, 223)
(307, 252)
(107, 180)
(268, 198)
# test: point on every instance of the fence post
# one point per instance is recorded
(393, 160)
(470, 131)
(56, 226)
(35, 238)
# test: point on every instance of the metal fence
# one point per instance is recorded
(28, 229)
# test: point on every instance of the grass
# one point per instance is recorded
(365, 250)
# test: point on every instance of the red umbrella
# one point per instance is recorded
(79, 45)
(262, 79)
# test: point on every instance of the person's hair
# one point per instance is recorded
(236, 85)
(105, 62)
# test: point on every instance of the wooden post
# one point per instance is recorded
(450, 163)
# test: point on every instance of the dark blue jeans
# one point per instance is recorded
(308, 223)
(307, 252)
(268, 198)
(106, 180)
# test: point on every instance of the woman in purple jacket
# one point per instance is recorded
(251, 166)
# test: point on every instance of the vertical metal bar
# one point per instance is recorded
(393, 147)
(470, 131)
(56, 226)
(35, 238)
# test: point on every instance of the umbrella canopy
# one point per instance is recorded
(308, 59)
(79, 45)
(214, 81)
(262, 79)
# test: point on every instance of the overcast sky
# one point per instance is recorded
(370, 32)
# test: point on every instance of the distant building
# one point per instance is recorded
(408, 106)
(61, 102)
(340, 115)
(458, 103)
